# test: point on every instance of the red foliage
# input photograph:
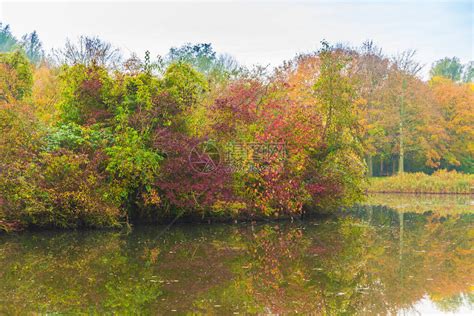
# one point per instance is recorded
(238, 105)
(183, 186)
(91, 87)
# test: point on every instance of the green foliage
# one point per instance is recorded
(16, 77)
(217, 67)
(55, 188)
(75, 137)
(70, 192)
(337, 96)
(184, 84)
(7, 41)
(201, 56)
(450, 68)
(18, 146)
(32, 46)
(468, 75)
(59, 189)
(85, 94)
(342, 150)
(69, 135)
(131, 163)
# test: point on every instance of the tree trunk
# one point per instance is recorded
(381, 166)
(370, 166)
(402, 151)
(402, 117)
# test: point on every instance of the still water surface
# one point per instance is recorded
(369, 260)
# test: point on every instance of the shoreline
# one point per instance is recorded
(440, 182)
(16, 227)
(191, 220)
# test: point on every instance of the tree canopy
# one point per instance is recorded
(92, 140)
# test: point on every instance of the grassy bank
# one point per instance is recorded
(442, 181)
(441, 204)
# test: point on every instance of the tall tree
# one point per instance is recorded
(371, 71)
(205, 60)
(456, 102)
(406, 66)
(411, 118)
(184, 84)
(16, 77)
(7, 40)
(450, 68)
(33, 47)
(202, 55)
(88, 51)
(468, 74)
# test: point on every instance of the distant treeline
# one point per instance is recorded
(92, 139)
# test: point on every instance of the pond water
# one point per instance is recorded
(366, 260)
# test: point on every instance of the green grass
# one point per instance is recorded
(442, 204)
(441, 181)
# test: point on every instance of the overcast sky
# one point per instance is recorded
(264, 32)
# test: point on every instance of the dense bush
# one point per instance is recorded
(45, 184)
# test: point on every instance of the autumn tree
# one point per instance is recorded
(450, 68)
(16, 77)
(85, 94)
(7, 41)
(371, 69)
(456, 103)
(203, 58)
(45, 93)
(468, 75)
(88, 51)
(33, 47)
(404, 67)
(341, 134)
(184, 84)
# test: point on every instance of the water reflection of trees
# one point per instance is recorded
(382, 263)
(71, 272)
(372, 261)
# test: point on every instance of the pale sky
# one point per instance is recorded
(263, 32)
